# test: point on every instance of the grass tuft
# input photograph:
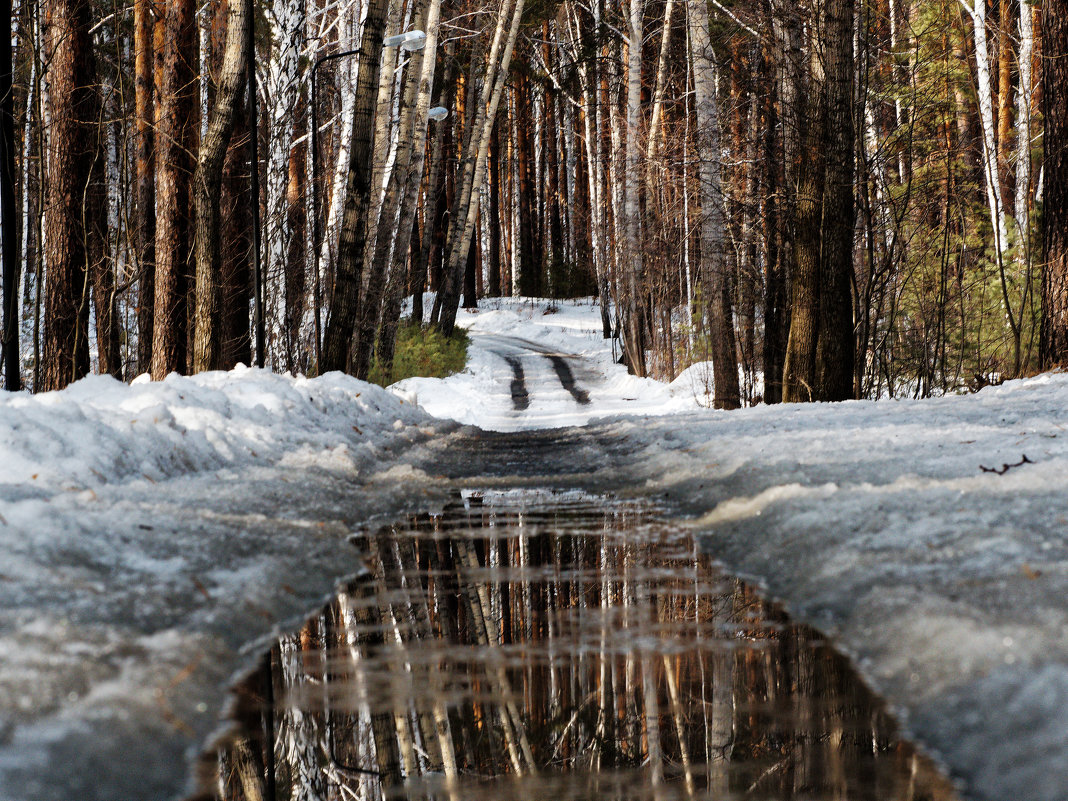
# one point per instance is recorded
(424, 352)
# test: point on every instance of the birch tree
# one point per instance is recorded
(207, 188)
(713, 263)
(473, 161)
(353, 235)
(286, 19)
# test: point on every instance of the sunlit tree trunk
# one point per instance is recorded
(713, 244)
(73, 167)
(632, 264)
(144, 180)
(175, 133)
(207, 189)
(344, 298)
(286, 19)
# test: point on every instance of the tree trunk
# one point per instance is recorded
(799, 370)
(633, 341)
(835, 346)
(1053, 341)
(495, 288)
(174, 168)
(344, 299)
(73, 160)
(207, 189)
(9, 217)
(713, 264)
(473, 163)
(144, 181)
(235, 282)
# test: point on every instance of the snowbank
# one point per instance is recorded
(101, 431)
(150, 535)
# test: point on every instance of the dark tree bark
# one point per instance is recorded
(835, 345)
(820, 349)
(495, 289)
(529, 263)
(236, 269)
(174, 169)
(774, 265)
(69, 216)
(345, 297)
(144, 180)
(12, 368)
(296, 276)
(207, 189)
(1053, 339)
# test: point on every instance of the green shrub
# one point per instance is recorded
(424, 352)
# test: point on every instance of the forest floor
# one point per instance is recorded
(155, 536)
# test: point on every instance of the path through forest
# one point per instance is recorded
(156, 537)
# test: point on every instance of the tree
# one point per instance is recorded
(473, 158)
(207, 188)
(73, 163)
(713, 246)
(144, 234)
(819, 355)
(345, 296)
(1053, 341)
(9, 236)
(175, 134)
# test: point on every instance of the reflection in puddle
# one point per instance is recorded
(533, 645)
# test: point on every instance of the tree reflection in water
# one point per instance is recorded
(537, 645)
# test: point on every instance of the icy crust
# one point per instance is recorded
(877, 522)
(152, 537)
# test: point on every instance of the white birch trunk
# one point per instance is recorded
(1023, 135)
(995, 202)
(281, 88)
(476, 149)
(631, 187)
(348, 34)
(658, 94)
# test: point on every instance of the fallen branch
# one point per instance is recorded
(1006, 467)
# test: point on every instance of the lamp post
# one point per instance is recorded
(410, 40)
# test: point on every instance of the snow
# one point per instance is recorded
(145, 531)
(529, 330)
(152, 536)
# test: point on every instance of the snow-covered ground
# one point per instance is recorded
(509, 331)
(151, 537)
(929, 537)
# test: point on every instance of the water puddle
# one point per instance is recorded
(535, 645)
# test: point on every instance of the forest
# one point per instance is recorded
(827, 199)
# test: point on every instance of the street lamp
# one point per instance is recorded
(411, 40)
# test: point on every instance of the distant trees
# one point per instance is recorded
(824, 200)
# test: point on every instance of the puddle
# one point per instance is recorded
(536, 645)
